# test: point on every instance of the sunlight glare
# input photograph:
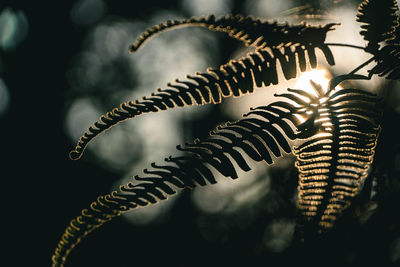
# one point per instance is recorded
(318, 76)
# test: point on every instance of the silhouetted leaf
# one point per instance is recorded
(234, 79)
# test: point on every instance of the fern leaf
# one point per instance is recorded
(334, 161)
(380, 19)
(251, 31)
(382, 24)
(236, 78)
(388, 58)
(262, 134)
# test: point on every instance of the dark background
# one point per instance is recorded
(43, 190)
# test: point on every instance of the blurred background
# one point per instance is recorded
(64, 63)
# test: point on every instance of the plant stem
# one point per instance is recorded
(346, 45)
(350, 76)
(362, 65)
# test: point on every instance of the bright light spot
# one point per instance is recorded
(300, 118)
(13, 28)
(317, 76)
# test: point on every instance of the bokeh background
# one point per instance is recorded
(64, 63)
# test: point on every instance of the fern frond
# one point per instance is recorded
(236, 78)
(388, 58)
(333, 162)
(382, 24)
(380, 19)
(262, 134)
(251, 31)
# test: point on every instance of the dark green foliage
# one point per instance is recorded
(382, 25)
(388, 58)
(251, 31)
(380, 19)
(338, 128)
(235, 78)
(256, 137)
(333, 162)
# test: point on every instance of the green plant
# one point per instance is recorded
(339, 128)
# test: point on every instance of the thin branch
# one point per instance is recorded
(345, 45)
(338, 79)
(350, 76)
(362, 65)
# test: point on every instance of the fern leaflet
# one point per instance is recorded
(262, 133)
(334, 161)
(380, 20)
(251, 31)
(235, 78)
